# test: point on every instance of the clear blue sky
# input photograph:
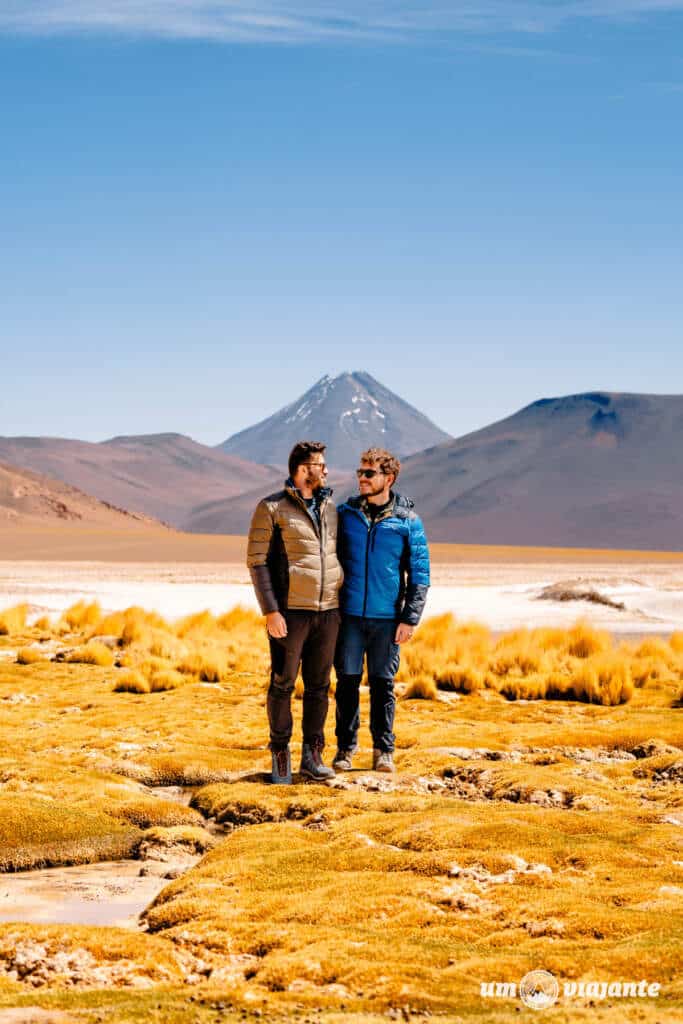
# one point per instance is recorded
(204, 207)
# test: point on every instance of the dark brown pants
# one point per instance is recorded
(310, 642)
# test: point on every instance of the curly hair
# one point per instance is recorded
(388, 463)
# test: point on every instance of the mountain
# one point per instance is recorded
(233, 515)
(160, 475)
(590, 470)
(30, 497)
(350, 412)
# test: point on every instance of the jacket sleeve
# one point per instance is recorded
(260, 537)
(417, 583)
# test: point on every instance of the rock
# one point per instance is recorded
(456, 896)
(540, 797)
(670, 773)
(317, 822)
(109, 641)
(31, 962)
(590, 802)
(670, 890)
(655, 748)
(179, 844)
(550, 927)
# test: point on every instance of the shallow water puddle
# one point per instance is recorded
(108, 893)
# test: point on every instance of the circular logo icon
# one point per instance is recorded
(539, 990)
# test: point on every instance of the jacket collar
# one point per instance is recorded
(400, 506)
(321, 495)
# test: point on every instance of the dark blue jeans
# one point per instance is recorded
(372, 639)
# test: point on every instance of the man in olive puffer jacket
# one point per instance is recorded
(292, 558)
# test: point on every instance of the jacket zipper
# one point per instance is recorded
(367, 566)
(368, 546)
(322, 552)
(318, 527)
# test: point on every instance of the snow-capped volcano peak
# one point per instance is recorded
(349, 412)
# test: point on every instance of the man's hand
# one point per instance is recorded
(403, 633)
(276, 625)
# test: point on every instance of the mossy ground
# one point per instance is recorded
(350, 903)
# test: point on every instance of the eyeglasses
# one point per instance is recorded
(368, 473)
(316, 465)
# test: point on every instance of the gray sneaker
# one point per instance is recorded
(382, 761)
(281, 767)
(343, 761)
(312, 763)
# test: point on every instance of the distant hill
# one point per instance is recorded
(350, 412)
(594, 470)
(27, 497)
(160, 475)
(233, 515)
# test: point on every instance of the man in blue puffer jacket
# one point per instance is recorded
(383, 550)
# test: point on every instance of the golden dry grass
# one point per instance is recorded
(92, 653)
(318, 897)
(13, 620)
(580, 663)
(29, 656)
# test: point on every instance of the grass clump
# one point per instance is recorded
(13, 620)
(92, 653)
(153, 811)
(421, 687)
(41, 833)
(29, 656)
(132, 681)
(80, 616)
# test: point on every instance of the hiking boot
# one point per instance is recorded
(312, 763)
(343, 760)
(382, 761)
(281, 771)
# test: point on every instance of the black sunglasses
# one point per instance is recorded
(368, 473)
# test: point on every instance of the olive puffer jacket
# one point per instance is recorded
(291, 557)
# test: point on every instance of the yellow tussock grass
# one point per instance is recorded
(13, 620)
(421, 688)
(132, 681)
(80, 616)
(166, 679)
(208, 666)
(585, 641)
(92, 653)
(676, 642)
(464, 678)
(29, 656)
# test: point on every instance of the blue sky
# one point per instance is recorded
(204, 207)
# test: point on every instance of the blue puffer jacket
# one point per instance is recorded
(386, 563)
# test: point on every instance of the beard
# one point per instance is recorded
(314, 482)
(372, 492)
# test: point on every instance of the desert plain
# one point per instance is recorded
(535, 820)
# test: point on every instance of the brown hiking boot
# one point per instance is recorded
(312, 763)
